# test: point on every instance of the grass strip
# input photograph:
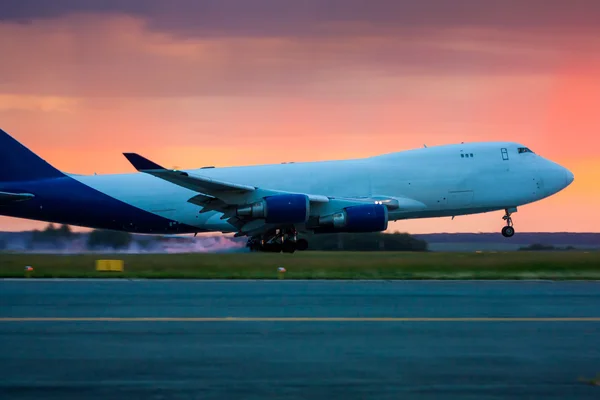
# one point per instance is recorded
(550, 265)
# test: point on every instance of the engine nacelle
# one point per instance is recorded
(279, 209)
(363, 218)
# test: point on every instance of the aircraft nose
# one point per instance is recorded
(554, 177)
(569, 177)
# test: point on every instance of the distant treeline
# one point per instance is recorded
(97, 239)
(544, 247)
(521, 238)
(61, 237)
(366, 242)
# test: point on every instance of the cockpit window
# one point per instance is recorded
(524, 150)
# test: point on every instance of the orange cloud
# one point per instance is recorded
(82, 89)
(12, 102)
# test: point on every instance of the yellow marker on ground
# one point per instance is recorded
(110, 265)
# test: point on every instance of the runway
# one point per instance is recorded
(298, 340)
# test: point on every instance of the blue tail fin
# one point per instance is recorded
(18, 163)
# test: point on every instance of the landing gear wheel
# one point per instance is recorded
(508, 231)
(288, 246)
(301, 244)
(254, 244)
(277, 241)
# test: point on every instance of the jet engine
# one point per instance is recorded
(363, 218)
(278, 209)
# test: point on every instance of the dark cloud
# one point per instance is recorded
(323, 41)
(104, 65)
(322, 17)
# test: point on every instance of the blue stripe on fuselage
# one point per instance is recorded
(65, 200)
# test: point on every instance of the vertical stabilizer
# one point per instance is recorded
(18, 163)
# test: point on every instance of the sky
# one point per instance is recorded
(190, 83)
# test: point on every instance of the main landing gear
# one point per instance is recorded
(277, 241)
(508, 230)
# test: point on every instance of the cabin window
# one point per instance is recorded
(471, 155)
(462, 156)
(504, 154)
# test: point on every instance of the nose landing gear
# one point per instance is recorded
(508, 230)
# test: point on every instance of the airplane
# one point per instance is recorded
(273, 204)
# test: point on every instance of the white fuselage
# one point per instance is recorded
(448, 180)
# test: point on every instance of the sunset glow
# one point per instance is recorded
(225, 83)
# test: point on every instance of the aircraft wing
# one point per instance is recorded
(224, 197)
(196, 183)
(210, 189)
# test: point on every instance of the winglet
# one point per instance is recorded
(140, 163)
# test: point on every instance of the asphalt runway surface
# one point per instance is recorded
(298, 340)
